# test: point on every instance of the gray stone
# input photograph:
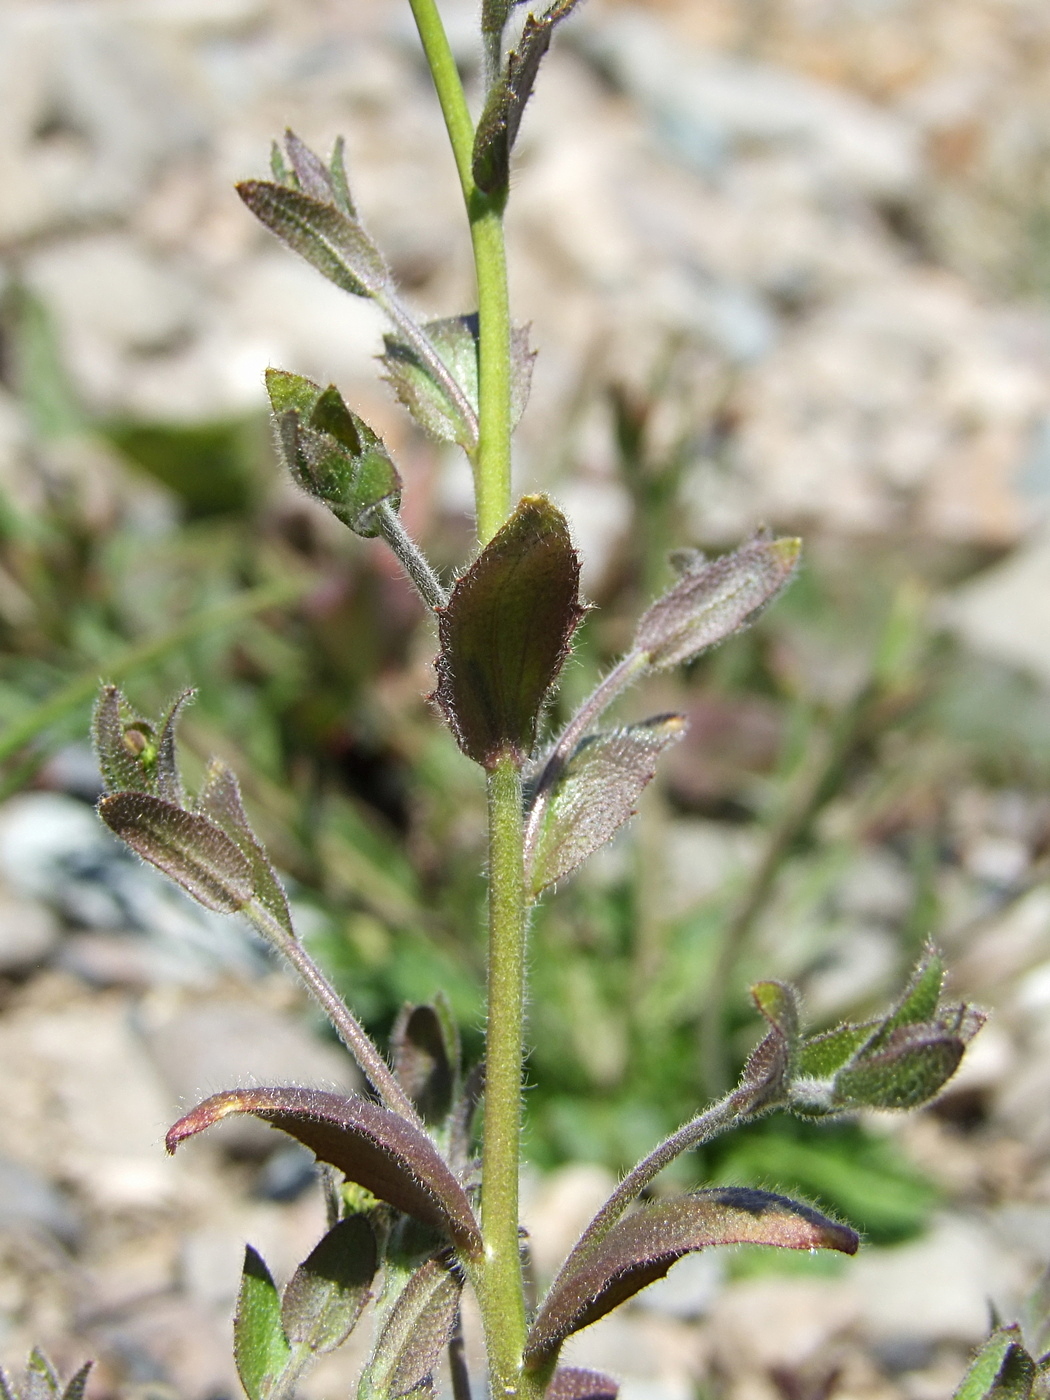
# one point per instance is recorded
(29, 933)
(29, 1201)
(1005, 612)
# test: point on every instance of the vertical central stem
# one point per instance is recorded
(492, 469)
(504, 1047)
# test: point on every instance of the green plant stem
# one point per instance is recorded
(411, 557)
(492, 484)
(501, 1293)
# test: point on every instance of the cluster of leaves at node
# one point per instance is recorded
(41, 1381)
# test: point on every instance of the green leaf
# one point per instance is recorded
(498, 127)
(124, 743)
(778, 1003)
(328, 238)
(77, 1383)
(505, 633)
(820, 1056)
(188, 848)
(596, 793)
(642, 1247)
(425, 1060)
(415, 1333)
(1001, 1370)
(910, 1067)
(370, 1145)
(456, 342)
(260, 1347)
(219, 801)
(328, 1291)
(494, 16)
(713, 600)
(919, 1000)
(42, 1381)
(574, 1383)
(332, 453)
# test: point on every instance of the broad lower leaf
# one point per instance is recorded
(260, 1347)
(643, 1247)
(574, 1383)
(597, 792)
(327, 237)
(1001, 1370)
(456, 342)
(329, 1289)
(501, 118)
(219, 800)
(505, 633)
(425, 1060)
(188, 848)
(713, 600)
(415, 1332)
(370, 1145)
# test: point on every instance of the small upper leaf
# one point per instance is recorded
(596, 792)
(327, 1292)
(424, 1061)
(505, 633)
(260, 1347)
(330, 239)
(371, 1145)
(41, 1381)
(908, 1069)
(574, 1383)
(456, 342)
(643, 1247)
(190, 849)
(713, 600)
(125, 744)
(1001, 1370)
(219, 800)
(415, 1332)
(501, 118)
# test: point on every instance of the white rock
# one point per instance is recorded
(28, 933)
(1005, 612)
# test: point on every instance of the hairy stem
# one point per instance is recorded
(492, 486)
(411, 557)
(502, 1294)
(349, 1029)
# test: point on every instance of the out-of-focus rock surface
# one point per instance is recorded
(833, 217)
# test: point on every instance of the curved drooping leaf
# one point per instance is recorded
(326, 236)
(713, 599)
(260, 1347)
(426, 1059)
(574, 1383)
(1003, 1369)
(414, 1334)
(187, 847)
(498, 126)
(219, 800)
(455, 339)
(595, 794)
(370, 1145)
(328, 1291)
(505, 633)
(643, 1247)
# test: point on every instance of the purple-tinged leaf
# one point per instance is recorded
(908, 1069)
(498, 126)
(778, 1003)
(310, 171)
(370, 1145)
(574, 1383)
(169, 784)
(124, 743)
(328, 1291)
(329, 239)
(643, 1247)
(219, 800)
(597, 792)
(260, 1347)
(918, 1002)
(415, 1333)
(505, 633)
(713, 600)
(425, 1060)
(455, 340)
(190, 849)
(78, 1383)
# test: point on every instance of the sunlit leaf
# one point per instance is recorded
(310, 171)
(908, 1069)
(370, 1145)
(597, 791)
(260, 1347)
(919, 1000)
(713, 600)
(643, 1247)
(823, 1054)
(219, 800)
(506, 631)
(1001, 1370)
(327, 1292)
(41, 1382)
(190, 849)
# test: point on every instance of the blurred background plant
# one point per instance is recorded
(813, 295)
